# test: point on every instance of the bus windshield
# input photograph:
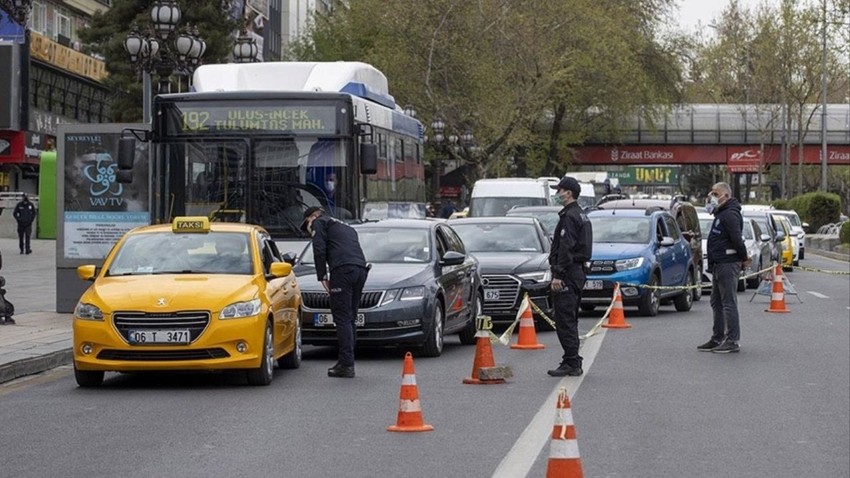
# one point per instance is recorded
(266, 181)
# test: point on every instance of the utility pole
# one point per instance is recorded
(823, 107)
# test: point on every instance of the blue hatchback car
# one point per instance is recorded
(638, 248)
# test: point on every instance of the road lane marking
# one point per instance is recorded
(521, 457)
(818, 295)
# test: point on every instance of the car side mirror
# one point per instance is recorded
(289, 258)
(279, 269)
(86, 272)
(452, 258)
(667, 241)
(688, 235)
(765, 238)
(806, 226)
(780, 236)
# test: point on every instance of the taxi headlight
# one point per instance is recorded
(540, 276)
(241, 309)
(413, 293)
(87, 312)
(629, 264)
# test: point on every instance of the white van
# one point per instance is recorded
(495, 197)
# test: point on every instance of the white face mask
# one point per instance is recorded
(330, 185)
(711, 204)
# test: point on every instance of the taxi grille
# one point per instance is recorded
(193, 321)
(508, 287)
(602, 267)
(162, 355)
(321, 300)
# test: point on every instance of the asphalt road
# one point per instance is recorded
(649, 405)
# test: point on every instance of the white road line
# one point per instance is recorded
(523, 454)
(818, 295)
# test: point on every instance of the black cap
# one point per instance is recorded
(570, 184)
(309, 212)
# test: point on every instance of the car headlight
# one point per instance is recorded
(629, 264)
(413, 293)
(539, 276)
(88, 312)
(389, 296)
(241, 309)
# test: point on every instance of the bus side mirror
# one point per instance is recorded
(126, 153)
(368, 158)
(124, 176)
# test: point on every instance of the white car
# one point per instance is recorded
(758, 249)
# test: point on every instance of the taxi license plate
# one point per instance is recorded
(328, 319)
(159, 337)
(491, 294)
(593, 285)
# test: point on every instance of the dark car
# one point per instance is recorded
(422, 286)
(638, 248)
(513, 253)
(547, 215)
(686, 217)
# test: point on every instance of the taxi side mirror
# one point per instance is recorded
(86, 272)
(280, 269)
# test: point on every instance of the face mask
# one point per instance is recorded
(712, 204)
(330, 185)
(563, 196)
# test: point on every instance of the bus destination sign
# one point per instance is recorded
(193, 118)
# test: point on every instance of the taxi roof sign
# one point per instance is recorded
(190, 224)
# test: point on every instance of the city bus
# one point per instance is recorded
(262, 142)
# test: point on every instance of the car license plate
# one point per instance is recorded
(491, 294)
(159, 337)
(328, 319)
(593, 285)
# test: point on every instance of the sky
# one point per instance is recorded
(705, 11)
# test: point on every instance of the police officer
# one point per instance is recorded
(571, 248)
(335, 247)
(25, 215)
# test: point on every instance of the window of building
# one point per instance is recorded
(38, 18)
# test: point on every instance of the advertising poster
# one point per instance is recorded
(98, 209)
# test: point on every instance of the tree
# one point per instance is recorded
(107, 31)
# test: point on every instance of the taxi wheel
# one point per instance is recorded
(650, 302)
(264, 373)
(467, 335)
(88, 379)
(293, 359)
(433, 346)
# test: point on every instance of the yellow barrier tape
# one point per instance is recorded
(539, 312)
(825, 271)
(695, 286)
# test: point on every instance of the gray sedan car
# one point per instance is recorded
(421, 287)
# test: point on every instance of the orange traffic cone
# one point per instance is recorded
(483, 354)
(409, 409)
(527, 339)
(616, 318)
(777, 296)
(564, 460)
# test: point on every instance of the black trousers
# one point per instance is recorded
(346, 286)
(567, 303)
(24, 233)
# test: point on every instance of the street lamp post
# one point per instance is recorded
(163, 51)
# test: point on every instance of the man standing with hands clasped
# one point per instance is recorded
(25, 215)
(727, 257)
(571, 248)
(336, 247)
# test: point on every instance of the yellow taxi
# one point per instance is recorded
(787, 243)
(190, 295)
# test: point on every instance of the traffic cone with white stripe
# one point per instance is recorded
(483, 353)
(564, 460)
(616, 318)
(409, 409)
(777, 296)
(527, 338)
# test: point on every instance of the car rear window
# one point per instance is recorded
(499, 237)
(628, 230)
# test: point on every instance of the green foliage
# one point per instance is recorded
(817, 208)
(107, 31)
(844, 233)
(781, 204)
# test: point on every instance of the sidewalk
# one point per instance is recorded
(41, 339)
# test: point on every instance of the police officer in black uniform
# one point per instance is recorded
(571, 249)
(335, 247)
(25, 215)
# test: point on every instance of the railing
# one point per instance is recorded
(830, 229)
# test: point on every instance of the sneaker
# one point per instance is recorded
(565, 370)
(341, 371)
(708, 346)
(726, 347)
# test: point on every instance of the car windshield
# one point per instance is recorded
(629, 230)
(792, 218)
(747, 231)
(388, 245)
(548, 219)
(190, 253)
(499, 206)
(498, 237)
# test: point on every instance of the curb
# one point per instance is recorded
(831, 254)
(34, 365)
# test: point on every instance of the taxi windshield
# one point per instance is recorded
(183, 253)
